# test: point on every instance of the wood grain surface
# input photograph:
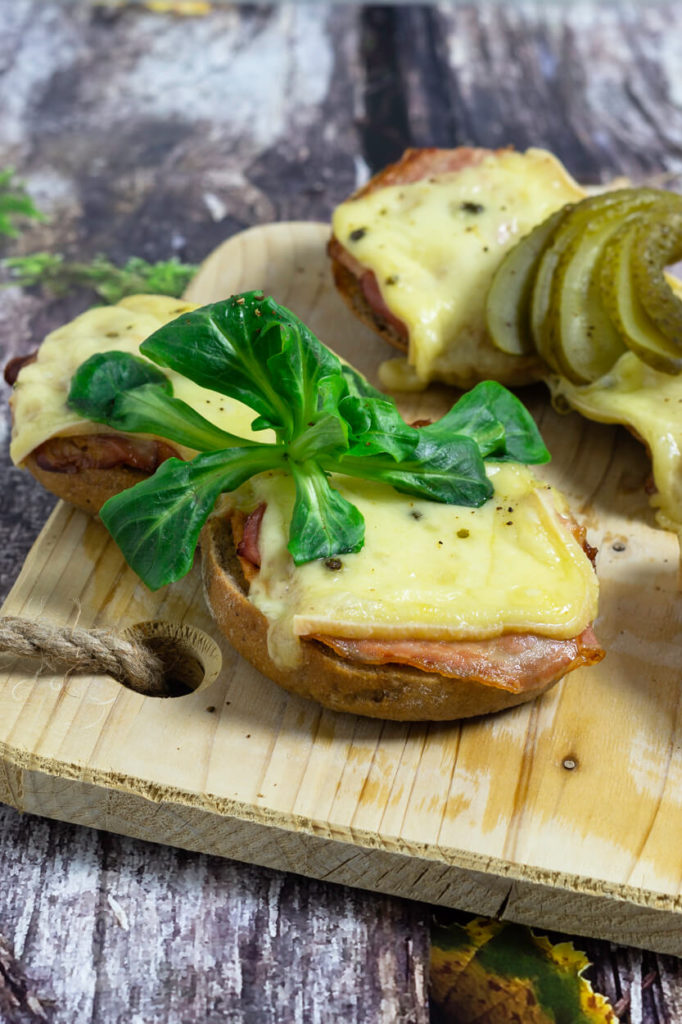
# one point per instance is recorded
(152, 135)
(516, 814)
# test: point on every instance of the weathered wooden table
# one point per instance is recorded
(148, 134)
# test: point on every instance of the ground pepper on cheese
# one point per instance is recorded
(427, 570)
(435, 244)
(39, 409)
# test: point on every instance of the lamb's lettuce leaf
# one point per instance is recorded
(327, 419)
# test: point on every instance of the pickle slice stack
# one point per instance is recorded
(510, 293)
(589, 283)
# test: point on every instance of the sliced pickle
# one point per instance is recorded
(659, 244)
(639, 332)
(508, 301)
(580, 218)
(585, 340)
(564, 307)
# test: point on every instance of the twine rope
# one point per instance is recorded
(85, 650)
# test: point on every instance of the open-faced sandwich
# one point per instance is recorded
(380, 568)
(84, 462)
(497, 264)
(414, 252)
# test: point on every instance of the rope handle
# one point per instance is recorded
(86, 650)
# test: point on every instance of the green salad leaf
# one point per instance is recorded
(15, 204)
(59, 276)
(158, 530)
(497, 421)
(327, 419)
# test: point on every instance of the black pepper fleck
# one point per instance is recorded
(416, 514)
(618, 546)
(469, 207)
(334, 564)
(356, 235)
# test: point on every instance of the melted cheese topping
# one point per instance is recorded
(39, 409)
(427, 570)
(435, 244)
(650, 403)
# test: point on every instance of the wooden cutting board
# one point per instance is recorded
(566, 813)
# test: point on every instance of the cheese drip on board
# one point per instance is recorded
(427, 570)
(435, 244)
(39, 398)
(650, 403)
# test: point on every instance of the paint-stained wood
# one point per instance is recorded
(518, 814)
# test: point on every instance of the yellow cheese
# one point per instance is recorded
(434, 246)
(427, 571)
(39, 409)
(648, 402)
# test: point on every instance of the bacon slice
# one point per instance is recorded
(516, 662)
(247, 547)
(102, 451)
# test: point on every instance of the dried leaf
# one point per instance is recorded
(493, 972)
(185, 8)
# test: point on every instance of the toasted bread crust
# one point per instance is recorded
(88, 469)
(87, 489)
(396, 692)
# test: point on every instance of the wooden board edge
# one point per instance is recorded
(442, 877)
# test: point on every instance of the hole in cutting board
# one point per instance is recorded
(191, 659)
